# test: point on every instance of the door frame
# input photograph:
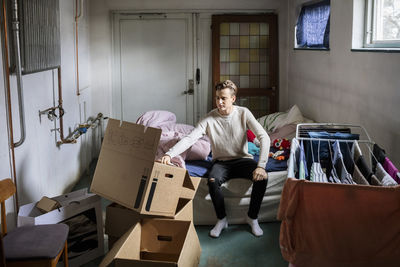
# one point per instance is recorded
(191, 62)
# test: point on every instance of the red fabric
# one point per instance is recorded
(250, 136)
(327, 224)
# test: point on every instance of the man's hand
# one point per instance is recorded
(166, 160)
(259, 174)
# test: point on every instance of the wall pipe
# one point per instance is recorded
(7, 89)
(61, 110)
(18, 72)
(76, 42)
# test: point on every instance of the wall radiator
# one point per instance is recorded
(39, 35)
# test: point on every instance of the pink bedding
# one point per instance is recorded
(172, 132)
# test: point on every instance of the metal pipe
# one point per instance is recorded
(7, 89)
(61, 110)
(18, 72)
(77, 44)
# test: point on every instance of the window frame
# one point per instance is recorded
(370, 17)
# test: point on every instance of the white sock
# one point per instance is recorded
(255, 227)
(219, 226)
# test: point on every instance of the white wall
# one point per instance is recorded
(344, 86)
(42, 167)
(101, 42)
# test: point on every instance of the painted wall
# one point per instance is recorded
(344, 86)
(42, 167)
(101, 42)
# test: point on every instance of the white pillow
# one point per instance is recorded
(276, 120)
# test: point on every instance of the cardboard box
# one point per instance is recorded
(156, 242)
(120, 219)
(47, 204)
(127, 174)
(83, 214)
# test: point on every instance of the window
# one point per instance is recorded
(382, 28)
(312, 28)
(245, 50)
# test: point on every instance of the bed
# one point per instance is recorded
(237, 191)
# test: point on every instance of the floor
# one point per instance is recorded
(235, 247)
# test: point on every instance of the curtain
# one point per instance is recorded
(313, 25)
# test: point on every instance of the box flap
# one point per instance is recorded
(127, 247)
(190, 186)
(164, 191)
(133, 140)
(125, 162)
(46, 204)
(191, 251)
(120, 219)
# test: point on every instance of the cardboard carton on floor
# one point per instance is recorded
(82, 212)
(156, 242)
(127, 174)
(120, 219)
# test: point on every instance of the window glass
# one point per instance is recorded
(382, 28)
(243, 53)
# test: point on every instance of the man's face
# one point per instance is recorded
(224, 100)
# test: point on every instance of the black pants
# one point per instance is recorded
(223, 171)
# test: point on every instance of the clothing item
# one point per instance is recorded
(375, 181)
(364, 168)
(334, 178)
(303, 171)
(358, 178)
(356, 151)
(383, 176)
(321, 148)
(317, 174)
(391, 169)
(223, 171)
(379, 155)
(228, 135)
(293, 158)
(343, 175)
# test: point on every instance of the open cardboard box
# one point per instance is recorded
(156, 242)
(82, 212)
(127, 174)
(120, 219)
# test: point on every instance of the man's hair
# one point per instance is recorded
(226, 84)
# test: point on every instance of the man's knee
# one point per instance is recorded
(214, 181)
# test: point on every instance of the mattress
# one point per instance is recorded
(237, 194)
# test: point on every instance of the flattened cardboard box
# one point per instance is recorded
(82, 212)
(47, 204)
(127, 174)
(156, 242)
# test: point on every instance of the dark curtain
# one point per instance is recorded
(313, 25)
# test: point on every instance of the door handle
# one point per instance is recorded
(189, 92)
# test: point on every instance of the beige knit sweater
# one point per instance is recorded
(227, 134)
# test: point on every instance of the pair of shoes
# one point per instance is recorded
(255, 227)
(219, 226)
